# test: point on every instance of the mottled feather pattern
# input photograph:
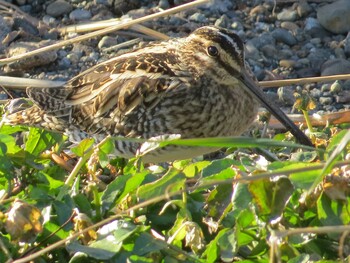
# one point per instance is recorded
(189, 86)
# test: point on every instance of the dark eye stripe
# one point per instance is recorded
(225, 39)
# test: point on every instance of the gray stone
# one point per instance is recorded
(58, 8)
(347, 45)
(64, 63)
(315, 93)
(317, 57)
(251, 51)
(325, 87)
(198, 17)
(287, 63)
(80, 14)
(4, 30)
(107, 41)
(291, 26)
(286, 95)
(326, 100)
(336, 87)
(164, 4)
(335, 67)
(262, 40)
(344, 97)
(287, 15)
(284, 36)
(303, 8)
(41, 59)
(314, 29)
(269, 51)
(223, 21)
(335, 17)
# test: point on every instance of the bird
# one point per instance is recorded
(196, 86)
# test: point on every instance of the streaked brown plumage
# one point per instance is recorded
(197, 86)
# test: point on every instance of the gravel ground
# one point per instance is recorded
(284, 39)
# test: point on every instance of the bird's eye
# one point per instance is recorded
(213, 51)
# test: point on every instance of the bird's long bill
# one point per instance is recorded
(248, 82)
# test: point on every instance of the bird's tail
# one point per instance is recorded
(23, 112)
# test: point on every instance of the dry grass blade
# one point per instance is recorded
(105, 31)
(87, 27)
(287, 82)
(23, 83)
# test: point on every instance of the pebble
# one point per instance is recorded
(270, 51)
(48, 20)
(198, 17)
(286, 95)
(30, 62)
(347, 44)
(223, 21)
(336, 87)
(251, 51)
(284, 36)
(291, 26)
(335, 67)
(107, 41)
(287, 15)
(4, 96)
(58, 8)
(344, 97)
(335, 17)
(287, 63)
(326, 100)
(64, 63)
(4, 31)
(80, 14)
(262, 40)
(314, 29)
(315, 93)
(164, 4)
(303, 8)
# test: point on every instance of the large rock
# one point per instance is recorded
(335, 17)
(58, 8)
(335, 67)
(41, 59)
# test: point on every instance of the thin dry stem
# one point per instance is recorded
(105, 31)
(300, 81)
(80, 28)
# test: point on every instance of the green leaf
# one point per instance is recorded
(40, 140)
(212, 251)
(332, 213)
(113, 190)
(193, 169)
(105, 250)
(218, 200)
(271, 197)
(83, 147)
(306, 157)
(173, 180)
(10, 143)
(302, 175)
(145, 244)
(217, 166)
(336, 154)
(228, 246)
(241, 197)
